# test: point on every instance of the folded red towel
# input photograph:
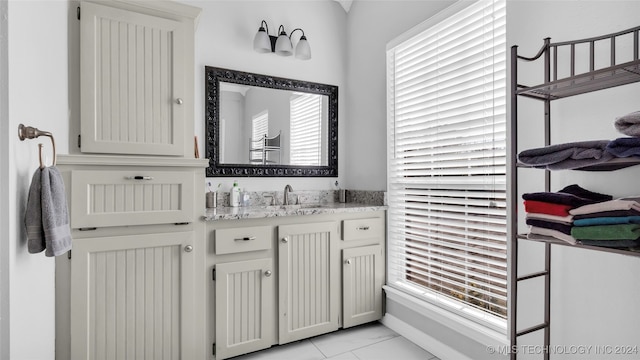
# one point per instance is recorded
(532, 206)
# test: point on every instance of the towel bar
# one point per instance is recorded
(29, 132)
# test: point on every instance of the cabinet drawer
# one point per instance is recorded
(359, 229)
(229, 241)
(101, 198)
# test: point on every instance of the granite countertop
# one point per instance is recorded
(256, 212)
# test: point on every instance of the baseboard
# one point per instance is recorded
(421, 339)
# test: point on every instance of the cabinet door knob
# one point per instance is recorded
(267, 273)
(348, 261)
(284, 240)
(188, 248)
(179, 101)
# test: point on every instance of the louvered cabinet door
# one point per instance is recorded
(244, 307)
(132, 297)
(132, 82)
(309, 283)
(362, 278)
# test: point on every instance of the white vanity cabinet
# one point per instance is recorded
(363, 270)
(128, 287)
(309, 284)
(137, 77)
(131, 296)
(280, 279)
(244, 280)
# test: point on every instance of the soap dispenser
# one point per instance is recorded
(235, 195)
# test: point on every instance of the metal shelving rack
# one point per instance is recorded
(554, 89)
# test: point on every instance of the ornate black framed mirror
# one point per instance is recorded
(260, 125)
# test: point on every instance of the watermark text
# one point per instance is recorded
(565, 349)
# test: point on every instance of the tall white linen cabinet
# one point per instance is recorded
(127, 290)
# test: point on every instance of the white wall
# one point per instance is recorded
(224, 38)
(593, 294)
(37, 96)
(4, 183)
(371, 25)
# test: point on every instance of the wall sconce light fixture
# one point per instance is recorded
(281, 45)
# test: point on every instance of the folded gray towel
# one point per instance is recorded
(567, 156)
(55, 215)
(33, 216)
(629, 124)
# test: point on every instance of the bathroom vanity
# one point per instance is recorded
(152, 275)
(284, 273)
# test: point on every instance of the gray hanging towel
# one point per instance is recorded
(55, 215)
(33, 216)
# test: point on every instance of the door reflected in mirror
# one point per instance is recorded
(259, 125)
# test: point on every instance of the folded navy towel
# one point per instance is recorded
(567, 156)
(572, 195)
(629, 124)
(624, 147)
(584, 193)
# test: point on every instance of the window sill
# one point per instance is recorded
(465, 327)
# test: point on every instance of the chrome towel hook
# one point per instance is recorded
(29, 132)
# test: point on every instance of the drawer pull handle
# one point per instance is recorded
(348, 262)
(284, 240)
(188, 248)
(246, 238)
(267, 273)
(138, 177)
(363, 228)
(179, 101)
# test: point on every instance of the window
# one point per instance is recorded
(259, 129)
(260, 125)
(447, 163)
(306, 129)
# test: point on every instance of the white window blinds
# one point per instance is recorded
(259, 129)
(306, 129)
(447, 163)
(260, 125)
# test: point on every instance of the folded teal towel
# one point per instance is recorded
(606, 232)
(611, 220)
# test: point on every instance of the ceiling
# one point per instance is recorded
(346, 4)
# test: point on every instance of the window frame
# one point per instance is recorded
(488, 320)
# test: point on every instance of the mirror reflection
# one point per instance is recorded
(261, 125)
(264, 126)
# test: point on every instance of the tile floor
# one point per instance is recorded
(371, 341)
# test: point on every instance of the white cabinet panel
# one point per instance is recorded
(358, 229)
(130, 297)
(132, 82)
(103, 198)
(309, 284)
(244, 307)
(244, 239)
(362, 278)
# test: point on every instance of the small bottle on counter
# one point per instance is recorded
(234, 196)
(244, 197)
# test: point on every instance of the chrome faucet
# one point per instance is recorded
(287, 189)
